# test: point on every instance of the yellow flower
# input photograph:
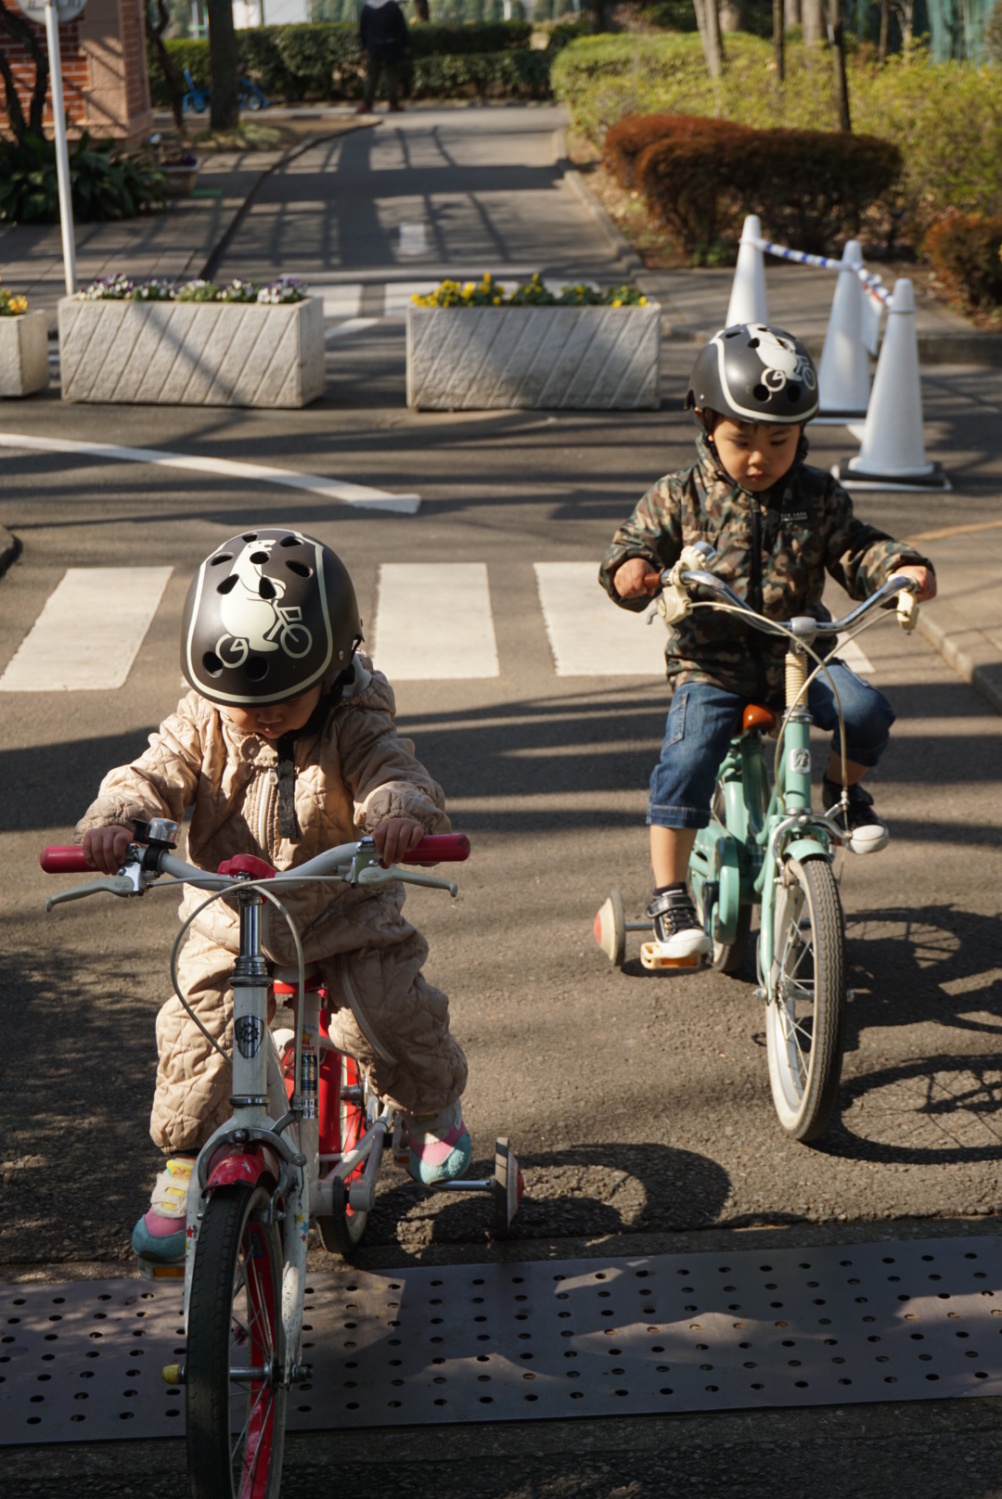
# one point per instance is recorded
(617, 302)
(642, 302)
(497, 301)
(19, 304)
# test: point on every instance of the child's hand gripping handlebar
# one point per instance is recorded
(354, 863)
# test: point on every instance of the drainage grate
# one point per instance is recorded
(824, 1326)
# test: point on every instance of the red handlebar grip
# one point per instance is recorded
(65, 860)
(440, 848)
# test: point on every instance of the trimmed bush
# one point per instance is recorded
(809, 187)
(631, 136)
(945, 118)
(105, 183)
(325, 61)
(966, 253)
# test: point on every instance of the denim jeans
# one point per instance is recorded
(703, 719)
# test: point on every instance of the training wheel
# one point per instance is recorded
(610, 929)
(508, 1186)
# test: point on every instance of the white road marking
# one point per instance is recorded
(89, 632)
(434, 622)
(341, 300)
(331, 489)
(413, 239)
(854, 656)
(353, 325)
(588, 634)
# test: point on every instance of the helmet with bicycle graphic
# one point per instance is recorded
(751, 373)
(269, 614)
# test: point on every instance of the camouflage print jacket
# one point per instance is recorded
(773, 549)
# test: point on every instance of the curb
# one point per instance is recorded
(221, 246)
(986, 680)
(626, 255)
(10, 549)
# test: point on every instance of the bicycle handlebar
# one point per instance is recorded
(64, 860)
(897, 583)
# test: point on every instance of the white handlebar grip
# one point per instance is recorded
(907, 611)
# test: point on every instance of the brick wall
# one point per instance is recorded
(105, 85)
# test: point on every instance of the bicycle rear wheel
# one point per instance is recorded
(235, 1351)
(806, 1005)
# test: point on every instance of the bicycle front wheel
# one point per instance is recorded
(235, 1351)
(806, 1004)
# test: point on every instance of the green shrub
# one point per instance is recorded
(966, 252)
(105, 183)
(945, 118)
(486, 75)
(326, 60)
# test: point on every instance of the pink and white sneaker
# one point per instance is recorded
(440, 1145)
(159, 1236)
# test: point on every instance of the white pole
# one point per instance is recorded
(62, 154)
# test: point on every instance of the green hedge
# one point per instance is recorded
(946, 118)
(326, 61)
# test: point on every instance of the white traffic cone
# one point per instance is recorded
(748, 302)
(892, 455)
(844, 374)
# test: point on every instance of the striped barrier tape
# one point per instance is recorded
(872, 283)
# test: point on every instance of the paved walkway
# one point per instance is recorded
(368, 214)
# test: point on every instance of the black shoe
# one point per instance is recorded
(676, 927)
(867, 833)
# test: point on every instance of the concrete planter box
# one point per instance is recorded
(192, 353)
(585, 358)
(24, 354)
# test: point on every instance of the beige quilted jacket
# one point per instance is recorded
(349, 777)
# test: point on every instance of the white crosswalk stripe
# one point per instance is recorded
(434, 622)
(588, 635)
(89, 632)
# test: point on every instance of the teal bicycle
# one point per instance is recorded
(765, 848)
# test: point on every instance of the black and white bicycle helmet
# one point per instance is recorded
(751, 373)
(268, 615)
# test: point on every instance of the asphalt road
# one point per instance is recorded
(639, 1103)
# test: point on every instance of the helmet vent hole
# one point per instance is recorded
(228, 584)
(266, 588)
(258, 558)
(289, 541)
(753, 343)
(249, 536)
(256, 669)
(212, 664)
(760, 393)
(299, 568)
(223, 557)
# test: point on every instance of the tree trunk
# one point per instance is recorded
(906, 16)
(778, 39)
(791, 9)
(885, 25)
(14, 24)
(597, 9)
(176, 86)
(733, 15)
(224, 66)
(421, 11)
(708, 22)
(813, 20)
(837, 38)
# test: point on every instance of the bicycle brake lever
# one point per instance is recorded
(118, 884)
(375, 874)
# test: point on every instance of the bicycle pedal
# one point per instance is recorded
(653, 958)
(149, 1271)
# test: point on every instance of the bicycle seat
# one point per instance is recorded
(757, 717)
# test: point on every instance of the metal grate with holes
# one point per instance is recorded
(824, 1326)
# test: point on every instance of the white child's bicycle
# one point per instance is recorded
(303, 1146)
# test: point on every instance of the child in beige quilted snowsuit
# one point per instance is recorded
(284, 775)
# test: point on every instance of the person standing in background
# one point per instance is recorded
(386, 42)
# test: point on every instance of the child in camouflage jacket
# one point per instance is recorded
(777, 527)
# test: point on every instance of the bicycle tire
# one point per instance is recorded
(236, 1427)
(341, 1233)
(807, 998)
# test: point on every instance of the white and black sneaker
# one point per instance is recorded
(867, 833)
(676, 926)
